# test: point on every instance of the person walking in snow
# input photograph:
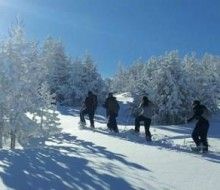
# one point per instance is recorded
(199, 134)
(89, 108)
(112, 108)
(145, 113)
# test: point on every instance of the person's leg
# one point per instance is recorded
(147, 123)
(91, 118)
(109, 122)
(114, 123)
(82, 116)
(203, 134)
(195, 135)
(137, 123)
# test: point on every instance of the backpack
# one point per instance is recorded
(113, 106)
(206, 113)
(91, 102)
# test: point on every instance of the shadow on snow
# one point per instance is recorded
(163, 142)
(63, 167)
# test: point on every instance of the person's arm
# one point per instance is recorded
(138, 109)
(198, 111)
(83, 106)
(196, 115)
(192, 118)
(140, 105)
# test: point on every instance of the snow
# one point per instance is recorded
(98, 159)
(124, 98)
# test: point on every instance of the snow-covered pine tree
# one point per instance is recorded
(201, 80)
(75, 91)
(163, 80)
(135, 74)
(108, 84)
(20, 81)
(170, 89)
(57, 64)
(138, 83)
(211, 67)
(90, 80)
(120, 80)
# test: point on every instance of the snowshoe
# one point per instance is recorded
(196, 149)
(134, 132)
(92, 126)
(204, 149)
(200, 149)
(148, 139)
(82, 125)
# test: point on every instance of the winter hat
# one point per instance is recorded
(196, 102)
(90, 93)
(145, 98)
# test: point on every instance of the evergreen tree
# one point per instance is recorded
(57, 65)
(20, 84)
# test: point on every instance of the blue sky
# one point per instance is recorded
(119, 30)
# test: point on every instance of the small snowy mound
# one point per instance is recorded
(125, 98)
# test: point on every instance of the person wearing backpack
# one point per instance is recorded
(112, 109)
(89, 107)
(199, 134)
(145, 113)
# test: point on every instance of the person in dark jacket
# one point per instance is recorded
(89, 108)
(145, 114)
(112, 109)
(199, 134)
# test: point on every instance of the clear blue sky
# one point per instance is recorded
(119, 30)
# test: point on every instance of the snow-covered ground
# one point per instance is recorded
(83, 159)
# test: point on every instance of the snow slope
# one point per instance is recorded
(98, 159)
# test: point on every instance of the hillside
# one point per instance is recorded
(99, 160)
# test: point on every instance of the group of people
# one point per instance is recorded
(144, 114)
(90, 105)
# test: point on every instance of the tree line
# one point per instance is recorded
(172, 82)
(35, 77)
